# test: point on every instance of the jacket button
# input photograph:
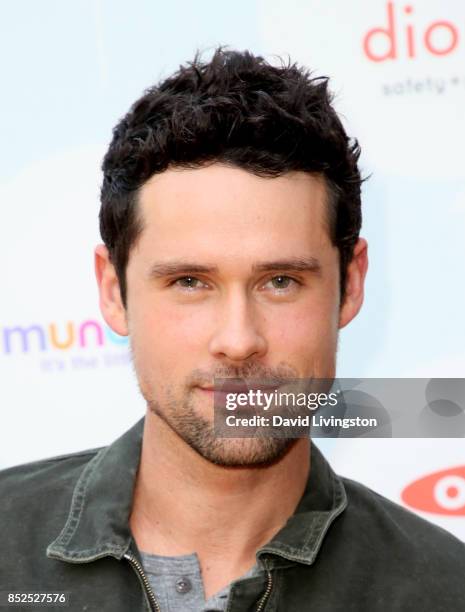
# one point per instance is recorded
(183, 585)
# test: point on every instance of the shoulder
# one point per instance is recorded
(42, 480)
(35, 499)
(401, 547)
(381, 515)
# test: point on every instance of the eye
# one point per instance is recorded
(187, 282)
(282, 282)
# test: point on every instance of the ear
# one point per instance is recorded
(355, 282)
(111, 305)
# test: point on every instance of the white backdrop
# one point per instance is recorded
(71, 69)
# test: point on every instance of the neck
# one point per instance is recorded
(183, 503)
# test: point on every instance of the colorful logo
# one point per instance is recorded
(399, 36)
(40, 338)
(442, 492)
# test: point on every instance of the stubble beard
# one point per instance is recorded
(198, 433)
(179, 414)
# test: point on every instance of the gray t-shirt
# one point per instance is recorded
(178, 586)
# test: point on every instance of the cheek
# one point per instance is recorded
(168, 335)
(307, 330)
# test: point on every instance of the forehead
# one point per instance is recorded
(221, 209)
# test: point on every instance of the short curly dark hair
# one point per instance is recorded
(240, 110)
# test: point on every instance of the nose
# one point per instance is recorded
(237, 336)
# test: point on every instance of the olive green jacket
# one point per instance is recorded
(64, 528)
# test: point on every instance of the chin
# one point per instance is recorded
(198, 432)
(243, 452)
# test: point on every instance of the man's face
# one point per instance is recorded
(233, 275)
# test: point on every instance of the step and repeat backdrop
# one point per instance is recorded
(70, 70)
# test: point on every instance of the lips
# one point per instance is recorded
(241, 387)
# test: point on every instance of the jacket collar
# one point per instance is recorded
(323, 500)
(98, 521)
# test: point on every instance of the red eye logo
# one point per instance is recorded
(440, 493)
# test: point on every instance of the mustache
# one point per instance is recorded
(250, 371)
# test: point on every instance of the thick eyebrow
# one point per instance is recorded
(158, 270)
(308, 264)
